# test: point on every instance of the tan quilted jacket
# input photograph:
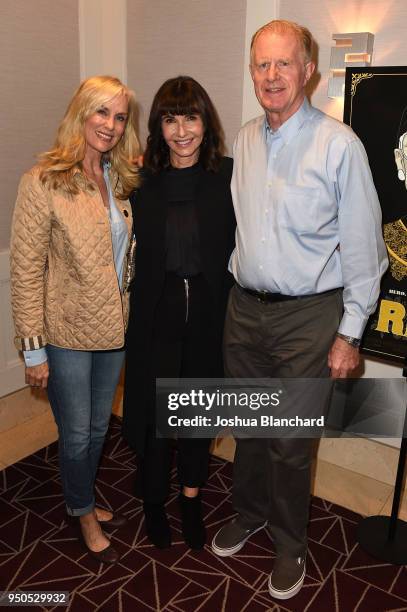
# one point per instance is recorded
(64, 287)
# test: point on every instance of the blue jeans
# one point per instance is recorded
(81, 390)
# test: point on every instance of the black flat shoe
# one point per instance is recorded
(157, 525)
(116, 522)
(108, 555)
(193, 528)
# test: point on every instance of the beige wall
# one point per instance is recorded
(202, 39)
(39, 50)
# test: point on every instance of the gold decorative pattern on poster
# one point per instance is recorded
(376, 109)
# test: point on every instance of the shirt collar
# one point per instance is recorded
(106, 164)
(80, 176)
(292, 126)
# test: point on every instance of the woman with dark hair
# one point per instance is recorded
(184, 226)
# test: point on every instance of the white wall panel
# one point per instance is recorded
(259, 12)
(102, 34)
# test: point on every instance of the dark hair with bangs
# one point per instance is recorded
(183, 96)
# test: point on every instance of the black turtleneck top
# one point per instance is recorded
(182, 235)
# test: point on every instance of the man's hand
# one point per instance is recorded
(37, 376)
(342, 358)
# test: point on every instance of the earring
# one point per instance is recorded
(401, 174)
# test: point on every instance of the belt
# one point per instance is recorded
(269, 297)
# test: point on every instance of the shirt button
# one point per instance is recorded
(267, 211)
(260, 267)
(263, 240)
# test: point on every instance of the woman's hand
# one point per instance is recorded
(37, 376)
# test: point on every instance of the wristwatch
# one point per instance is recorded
(355, 342)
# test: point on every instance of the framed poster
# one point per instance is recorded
(376, 109)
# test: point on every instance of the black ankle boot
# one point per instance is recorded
(157, 525)
(193, 528)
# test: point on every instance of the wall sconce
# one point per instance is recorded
(350, 50)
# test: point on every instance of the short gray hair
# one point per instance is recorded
(281, 26)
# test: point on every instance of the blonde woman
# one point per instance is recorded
(70, 272)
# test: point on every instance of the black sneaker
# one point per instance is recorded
(232, 537)
(287, 577)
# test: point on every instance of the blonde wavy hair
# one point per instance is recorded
(59, 166)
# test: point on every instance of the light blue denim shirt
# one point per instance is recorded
(118, 229)
(119, 235)
(308, 216)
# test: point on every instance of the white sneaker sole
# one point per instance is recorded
(296, 588)
(228, 552)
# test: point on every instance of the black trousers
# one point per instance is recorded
(271, 479)
(185, 345)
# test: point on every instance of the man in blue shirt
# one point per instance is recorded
(308, 261)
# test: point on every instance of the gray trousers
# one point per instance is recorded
(290, 339)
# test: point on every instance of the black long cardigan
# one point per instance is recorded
(216, 226)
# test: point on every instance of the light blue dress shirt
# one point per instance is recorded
(119, 235)
(308, 216)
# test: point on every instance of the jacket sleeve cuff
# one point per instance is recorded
(29, 344)
(36, 357)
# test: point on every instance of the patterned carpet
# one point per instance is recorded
(38, 551)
